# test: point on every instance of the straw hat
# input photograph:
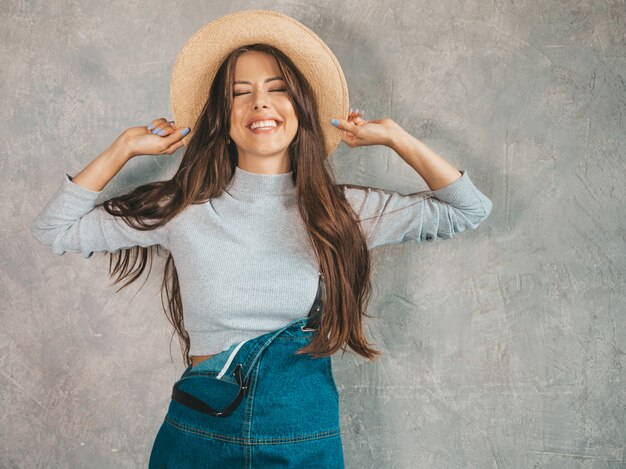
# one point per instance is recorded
(203, 53)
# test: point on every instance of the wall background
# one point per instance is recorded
(504, 347)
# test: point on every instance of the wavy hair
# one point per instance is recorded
(207, 166)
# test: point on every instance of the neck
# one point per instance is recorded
(258, 183)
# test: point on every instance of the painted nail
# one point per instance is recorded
(160, 132)
(334, 121)
(151, 126)
(185, 131)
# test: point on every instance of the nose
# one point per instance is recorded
(259, 103)
(259, 100)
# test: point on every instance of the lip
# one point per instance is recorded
(270, 130)
(263, 118)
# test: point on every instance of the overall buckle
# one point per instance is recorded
(314, 314)
(194, 403)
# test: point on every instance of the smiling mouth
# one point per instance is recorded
(265, 130)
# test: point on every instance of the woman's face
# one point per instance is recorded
(257, 95)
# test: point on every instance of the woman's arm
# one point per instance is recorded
(72, 222)
(97, 174)
(453, 204)
(132, 142)
(389, 217)
(435, 170)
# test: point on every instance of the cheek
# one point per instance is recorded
(236, 112)
(293, 119)
(234, 117)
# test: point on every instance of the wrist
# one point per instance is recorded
(120, 150)
(399, 139)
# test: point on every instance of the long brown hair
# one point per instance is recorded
(207, 167)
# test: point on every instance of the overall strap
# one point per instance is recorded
(311, 324)
(313, 320)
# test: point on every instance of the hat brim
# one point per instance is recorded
(203, 53)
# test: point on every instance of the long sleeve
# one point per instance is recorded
(71, 222)
(388, 217)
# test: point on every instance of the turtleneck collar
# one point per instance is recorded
(257, 183)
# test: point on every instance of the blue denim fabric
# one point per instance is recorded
(289, 416)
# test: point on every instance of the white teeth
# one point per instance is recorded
(268, 123)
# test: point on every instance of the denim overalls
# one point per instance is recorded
(255, 405)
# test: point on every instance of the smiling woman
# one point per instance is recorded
(263, 239)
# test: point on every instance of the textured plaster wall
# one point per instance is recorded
(504, 347)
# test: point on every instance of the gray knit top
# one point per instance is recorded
(244, 261)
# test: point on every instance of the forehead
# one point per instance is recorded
(253, 66)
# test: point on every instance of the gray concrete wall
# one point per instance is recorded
(504, 347)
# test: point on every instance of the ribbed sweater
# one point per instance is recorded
(244, 262)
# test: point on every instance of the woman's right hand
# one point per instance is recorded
(141, 141)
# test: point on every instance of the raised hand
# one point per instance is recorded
(361, 132)
(162, 137)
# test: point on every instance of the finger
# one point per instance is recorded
(156, 122)
(164, 129)
(344, 124)
(356, 116)
(167, 130)
(172, 148)
(174, 136)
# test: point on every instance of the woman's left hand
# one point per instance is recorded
(361, 132)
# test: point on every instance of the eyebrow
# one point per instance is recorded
(248, 83)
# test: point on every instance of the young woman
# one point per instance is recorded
(268, 256)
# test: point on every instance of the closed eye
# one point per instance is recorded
(247, 92)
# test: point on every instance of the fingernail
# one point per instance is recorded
(151, 126)
(160, 132)
(334, 121)
(186, 130)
